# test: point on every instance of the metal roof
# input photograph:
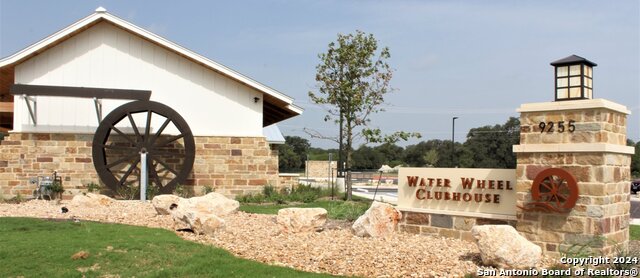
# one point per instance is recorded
(573, 59)
(273, 135)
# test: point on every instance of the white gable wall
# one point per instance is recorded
(106, 56)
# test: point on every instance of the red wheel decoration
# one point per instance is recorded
(553, 190)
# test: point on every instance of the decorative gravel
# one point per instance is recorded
(253, 236)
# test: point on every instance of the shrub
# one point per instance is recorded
(18, 198)
(57, 189)
(92, 186)
(127, 192)
(207, 189)
(269, 190)
(251, 198)
(181, 191)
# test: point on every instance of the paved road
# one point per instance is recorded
(635, 206)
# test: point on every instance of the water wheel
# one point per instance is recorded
(553, 190)
(143, 127)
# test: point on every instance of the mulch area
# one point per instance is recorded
(335, 250)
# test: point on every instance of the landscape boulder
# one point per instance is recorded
(301, 220)
(380, 220)
(200, 214)
(212, 203)
(199, 223)
(91, 200)
(502, 246)
(163, 202)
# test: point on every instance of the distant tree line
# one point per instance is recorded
(484, 147)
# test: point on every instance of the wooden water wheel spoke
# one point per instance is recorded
(121, 160)
(108, 151)
(165, 165)
(157, 134)
(134, 126)
(156, 177)
(170, 140)
(123, 135)
(148, 127)
(133, 166)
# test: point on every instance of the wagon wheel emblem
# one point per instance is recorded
(143, 127)
(553, 190)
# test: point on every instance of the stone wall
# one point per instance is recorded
(24, 156)
(234, 165)
(231, 165)
(320, 169)
(594, 154)
(452, 226)
(289, 181)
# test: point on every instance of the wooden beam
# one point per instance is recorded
(6, 107)
(79, 92)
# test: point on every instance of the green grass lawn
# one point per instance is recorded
(335, 209)
(634, 232)
(43, 248)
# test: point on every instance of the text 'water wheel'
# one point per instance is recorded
(143, 127)
(556, 188)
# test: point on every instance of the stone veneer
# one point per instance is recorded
(289, 181)
(595, 154)
(452, 226)
(231, 165)
(320, 169)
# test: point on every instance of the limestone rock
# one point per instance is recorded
(502, 246)
(202, 214)
(301, 220)
(162, 203)
(380, 220)
(212, 203)
(91, 200)
(199, 223)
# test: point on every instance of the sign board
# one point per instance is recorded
(458, 191)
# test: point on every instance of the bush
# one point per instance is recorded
(92, 186)
(251, 198)
(303, 193)
(269, 190)
(57, 189)
(207, 189)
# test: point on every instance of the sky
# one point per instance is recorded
(475, 60)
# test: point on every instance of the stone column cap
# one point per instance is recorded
(573, 105)
(573, 148)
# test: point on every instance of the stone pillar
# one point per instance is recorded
(587, 140)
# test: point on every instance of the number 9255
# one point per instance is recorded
(560, 127)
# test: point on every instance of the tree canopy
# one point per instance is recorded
(353, 77)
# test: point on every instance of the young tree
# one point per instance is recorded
(353, 78)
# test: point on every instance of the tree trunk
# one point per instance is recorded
(348, 149)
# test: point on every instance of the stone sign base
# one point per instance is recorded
(447, 225)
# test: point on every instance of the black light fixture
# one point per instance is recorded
(256, 99)
(573, 78)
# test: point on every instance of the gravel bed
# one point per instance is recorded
(256, 237)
